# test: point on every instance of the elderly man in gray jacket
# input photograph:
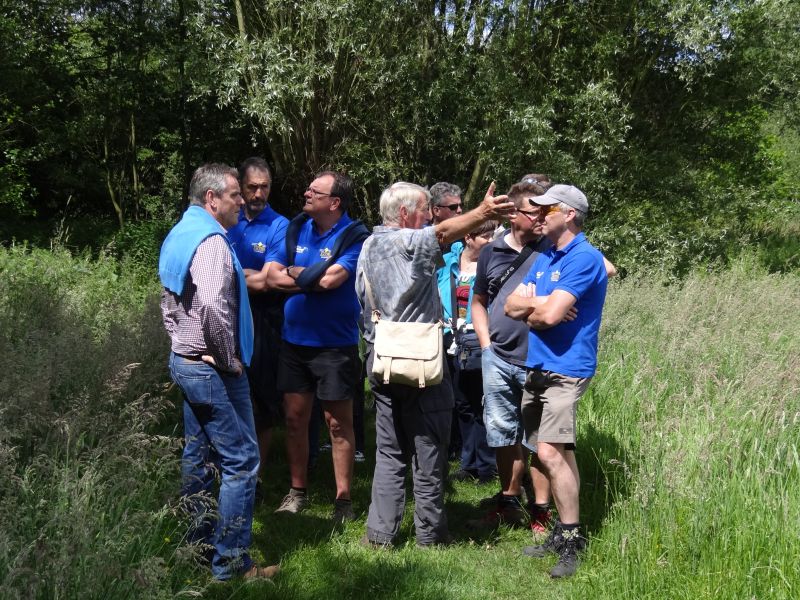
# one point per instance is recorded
(412, 424)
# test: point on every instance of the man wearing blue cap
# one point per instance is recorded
(561, 299)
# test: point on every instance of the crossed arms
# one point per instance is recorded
(275, 276)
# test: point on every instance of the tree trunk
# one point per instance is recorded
(112, 194)
(134, 170)
(475, 180)
(240, 17)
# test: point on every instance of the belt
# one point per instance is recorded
(195, 358)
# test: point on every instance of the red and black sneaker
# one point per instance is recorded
(541, 518)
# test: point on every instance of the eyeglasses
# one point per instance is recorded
(316, 194)
(452, 207)
(531, 214)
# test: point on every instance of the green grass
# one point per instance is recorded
(688, 451)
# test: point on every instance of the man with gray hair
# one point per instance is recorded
(207, 316)
(412, 424)
(445, 201)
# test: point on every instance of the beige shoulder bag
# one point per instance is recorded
(406, 353)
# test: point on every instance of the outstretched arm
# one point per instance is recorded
(492, 207)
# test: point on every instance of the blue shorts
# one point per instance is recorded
(502, 395)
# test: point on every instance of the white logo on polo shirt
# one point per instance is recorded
(555, 276)
(300, 249)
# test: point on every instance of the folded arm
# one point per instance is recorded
(557, 307)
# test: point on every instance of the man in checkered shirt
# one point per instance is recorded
(207, 315)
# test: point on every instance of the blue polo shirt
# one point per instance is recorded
(327, 319)
(253, 240)
(569, 348)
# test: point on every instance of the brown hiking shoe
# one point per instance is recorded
(256, 572)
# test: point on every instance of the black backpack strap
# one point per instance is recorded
(497, 284)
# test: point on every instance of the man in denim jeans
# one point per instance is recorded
(504, 344)
(207, 316)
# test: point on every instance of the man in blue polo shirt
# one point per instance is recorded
(259, 230)
(320, 334)
(561, 299)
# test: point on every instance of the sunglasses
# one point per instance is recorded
(547, 210)
(455, 206)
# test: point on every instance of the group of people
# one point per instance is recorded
(265, 316)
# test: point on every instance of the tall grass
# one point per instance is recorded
(87, 473)
(688, 449)
(700, 388)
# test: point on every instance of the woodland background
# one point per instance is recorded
(678, 118)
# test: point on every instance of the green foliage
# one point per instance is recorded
(674, 114)
(699, 386)
(87, 470)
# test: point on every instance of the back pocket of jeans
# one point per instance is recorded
(196, 388)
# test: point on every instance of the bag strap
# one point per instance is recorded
(376, 314)
(498, 283)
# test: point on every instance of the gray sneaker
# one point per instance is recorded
(293, 502)
(342, 511)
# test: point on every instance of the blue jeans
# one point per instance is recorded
(220, 438)
(502, 394)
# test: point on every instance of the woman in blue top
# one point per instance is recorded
(455, 282)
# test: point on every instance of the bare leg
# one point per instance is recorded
(339, 417)
(297, 406)
(562, 471)
(541, 485)
(264, 438)
(510, 468)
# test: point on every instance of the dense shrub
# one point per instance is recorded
(87, 458)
